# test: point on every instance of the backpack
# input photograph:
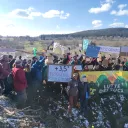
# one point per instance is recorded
(10, 78)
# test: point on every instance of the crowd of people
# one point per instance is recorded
(34, 71)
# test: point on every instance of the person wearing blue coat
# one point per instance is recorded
(36, 69)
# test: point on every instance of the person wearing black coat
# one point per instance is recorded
(84, 94)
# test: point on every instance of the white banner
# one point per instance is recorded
(124, 49)
(109, 49)
(59, 73)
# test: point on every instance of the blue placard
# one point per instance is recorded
(92, 51)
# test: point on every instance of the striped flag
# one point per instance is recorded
(85, 44)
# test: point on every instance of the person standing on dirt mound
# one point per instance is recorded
(4, 72)
(20, 83)
(72, 91)
(84, 94)
(45, 69)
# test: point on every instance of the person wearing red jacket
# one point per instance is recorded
(20, 83)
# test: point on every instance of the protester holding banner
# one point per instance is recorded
(66, 59)
(61, 73)
(72, 91)
(84, 93)
(123, 64)
(45, 68)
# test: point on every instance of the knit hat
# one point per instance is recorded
(4, 58)
(84, 76)
(48, 61)
(75, 74)
(18, 63)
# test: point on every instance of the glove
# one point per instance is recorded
(44, 82)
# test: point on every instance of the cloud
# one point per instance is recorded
(118, 24)
(115, 20)
(113, 12)
(109, 1)
(97, 23)
(121, 11)
(30, 13)
(23, 31)
(6, 23)
(10, 25)
(104, 7)
(10, 28)
(57, 27)
(56, 13)
(121, 6)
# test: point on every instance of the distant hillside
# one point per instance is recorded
(122, 32)
(109, 37)
(109, 32)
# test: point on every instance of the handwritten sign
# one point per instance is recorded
(105, 63)
(92, 51)
(78, 67)
(59, 73)
(109, 49)
(101, 82)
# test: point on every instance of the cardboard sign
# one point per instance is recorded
(101, 82)
(105, 63)
(92, 51)
(109, 49)
(59, 73)
(90, 67)
(78, 67)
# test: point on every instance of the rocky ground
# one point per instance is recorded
(49, 110)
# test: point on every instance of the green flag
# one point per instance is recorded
(34, 51)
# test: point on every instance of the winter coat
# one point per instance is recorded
(36, 69)
(4, 69)
(11, 63)
(72, 88)
(20, 82)
(83, 87)
(44, 72)
(76, 63)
